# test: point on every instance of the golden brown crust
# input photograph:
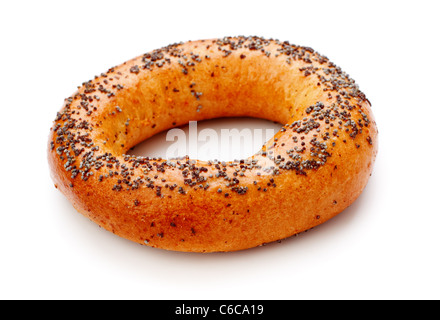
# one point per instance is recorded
(315, 167)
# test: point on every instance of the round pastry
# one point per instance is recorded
(311, 170)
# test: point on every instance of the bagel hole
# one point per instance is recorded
(222, 139)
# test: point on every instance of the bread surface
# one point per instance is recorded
(311, 170)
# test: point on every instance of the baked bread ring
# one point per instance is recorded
(311, 170)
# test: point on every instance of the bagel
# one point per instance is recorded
(311, 170)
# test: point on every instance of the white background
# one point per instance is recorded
(385, 246)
